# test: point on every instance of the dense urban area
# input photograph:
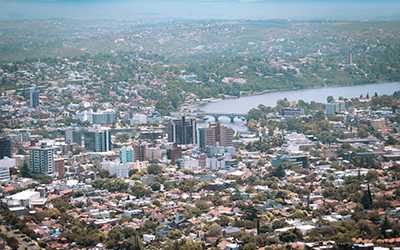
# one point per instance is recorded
(100, 146)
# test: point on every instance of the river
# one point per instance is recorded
(244, 104)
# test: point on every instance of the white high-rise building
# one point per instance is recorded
(41, 159)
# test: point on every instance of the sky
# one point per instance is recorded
(139, 10)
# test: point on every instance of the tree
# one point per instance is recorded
(26, 171)
(155, 169)
(330, 99)
(104, 173)
(250, 246)
(155, 186)
(372, 176)
(319, 116)
(255, 114)
(214, 230)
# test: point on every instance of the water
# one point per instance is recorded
(200, 9)
(244, 104)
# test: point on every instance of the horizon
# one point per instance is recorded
(158, 10)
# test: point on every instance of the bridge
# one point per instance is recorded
(216, 116)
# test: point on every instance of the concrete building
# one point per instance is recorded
(73, 135)
(108, 116)
(378, 124)
(127, 154)
(97, 139)
(147, 179)
(5, 147)
(182, 131)
(4, 174)
(214, 133)
(8, 162)
(24, 198)
(41, 159)
(335, 107)
(349, 58)
(33, 98)
(120, 170)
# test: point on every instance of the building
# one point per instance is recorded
(73, 135)
(4, 175)
(34, 98)
(8, 162)
(292, 111)
(59, 166)
(105, 117)
(120, 170)
(176, 153)
(127, 154)
(182, 131)
(41, 159)
(97, 139)
(335, 107)
(147, 179)
(151, 134)
(378, 124)
(214, 133)
(139, 152)
(301, 160)
(5, 147)
(24, 198)
(349, 58)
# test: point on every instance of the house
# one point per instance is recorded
(229, 231)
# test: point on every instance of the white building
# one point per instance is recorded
(138, 119)
(120, 170)
(4, 174)
(25, 197)
(7, 162)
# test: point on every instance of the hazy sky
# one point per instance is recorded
(196, 9)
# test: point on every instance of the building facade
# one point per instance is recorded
(73, 135)
(105, 117)
(182, 131)
(97, 140)
(127, 154)
(5, 148)
(59, 166)
(33, 98)
(41, 159)
(214, 133)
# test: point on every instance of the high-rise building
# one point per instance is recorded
(214, 133)
(5, 147)
(34, 98)
(127, 154)
(105, 117)
(176, 153)
(41, 159)
(349, 58)
(59, 166)
(73, 135)
(182, 131)
(139, 152)
(97, 139)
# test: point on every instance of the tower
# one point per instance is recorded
(34, 98)
(182, 131)
(41, 159)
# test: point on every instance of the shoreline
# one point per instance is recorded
(213, 100)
